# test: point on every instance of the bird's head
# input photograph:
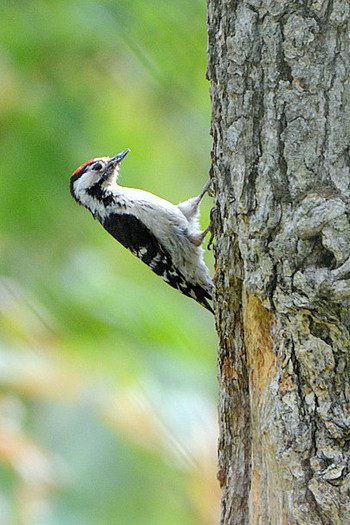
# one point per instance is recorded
(99, 172)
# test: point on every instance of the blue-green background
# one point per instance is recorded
(107, 375)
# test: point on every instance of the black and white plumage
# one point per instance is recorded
(164, 236)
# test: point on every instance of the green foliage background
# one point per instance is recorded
(107, 375)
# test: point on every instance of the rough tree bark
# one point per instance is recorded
(280, 87)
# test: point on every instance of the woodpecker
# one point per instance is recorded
(164, 236)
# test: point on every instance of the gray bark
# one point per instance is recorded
(280, 88)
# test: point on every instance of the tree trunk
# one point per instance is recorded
(280, 88)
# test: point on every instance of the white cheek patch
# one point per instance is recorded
(85, 181)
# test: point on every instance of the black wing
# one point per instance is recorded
(137, 238)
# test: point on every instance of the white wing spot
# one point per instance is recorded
(155, 260)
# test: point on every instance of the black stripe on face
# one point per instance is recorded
(99, 194)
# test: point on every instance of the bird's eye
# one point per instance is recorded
(97, 166)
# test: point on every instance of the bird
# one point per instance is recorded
(164, 236)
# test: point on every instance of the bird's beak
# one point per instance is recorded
(118, 158)
(112, 163)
